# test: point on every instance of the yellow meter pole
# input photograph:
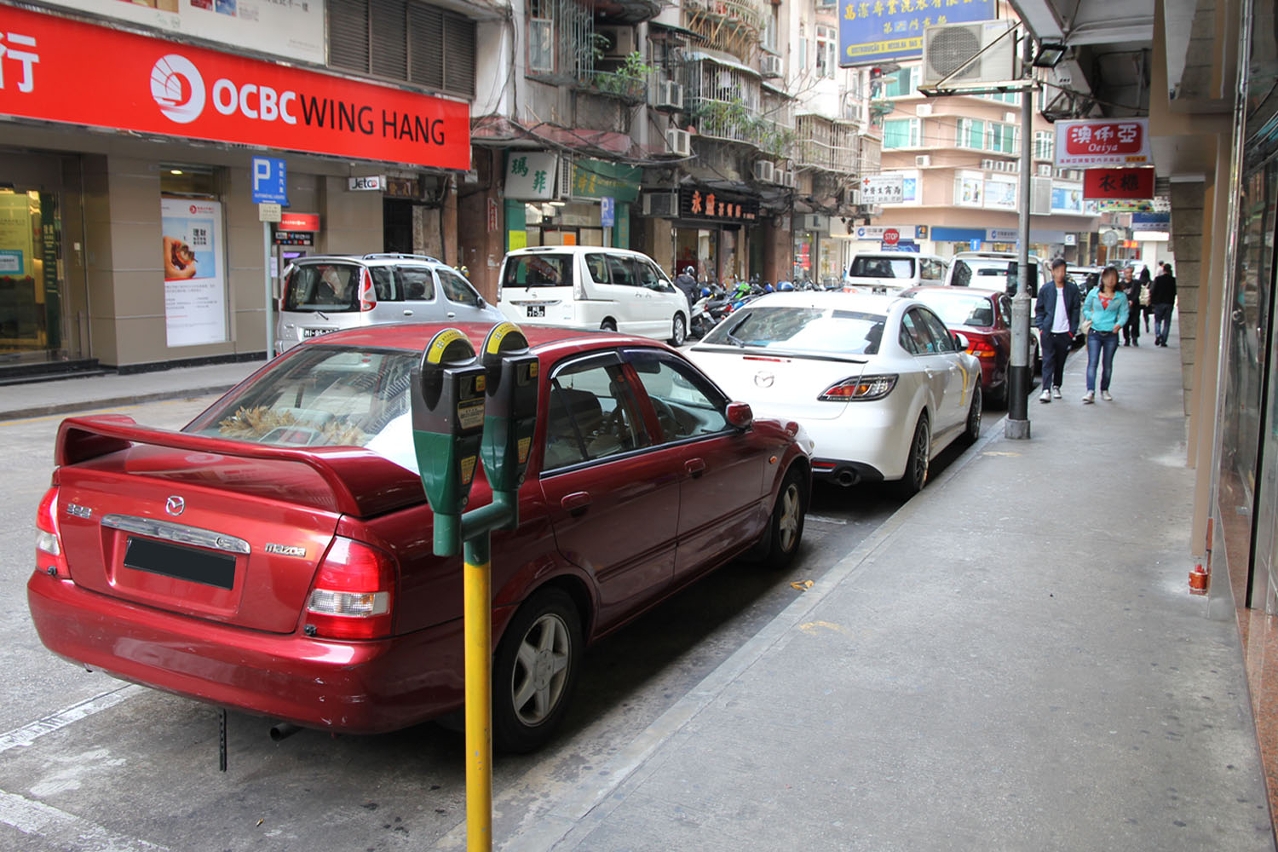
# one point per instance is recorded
(477, 599)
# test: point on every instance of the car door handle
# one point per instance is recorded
(695, 467)
(451, 314)
(408, 313)
(576, 503)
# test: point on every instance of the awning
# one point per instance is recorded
(697, 55)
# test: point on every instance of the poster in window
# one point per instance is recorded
(194, 277)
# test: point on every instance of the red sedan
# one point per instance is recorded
(275, 555)
(984, 317)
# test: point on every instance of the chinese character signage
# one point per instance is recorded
(285, 28)
(1123, 184)
(531, 175)
(600, 179)
(873, 31)
(1120, 142)
(719, 206)
(194, 280)
(883, 189)
(52, 69)
(1151, 222)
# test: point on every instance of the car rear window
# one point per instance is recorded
(328, 287)
(538, 270)
(961, 309)
(990, 274)
(324, 396)
(801, 330)
(882, 267)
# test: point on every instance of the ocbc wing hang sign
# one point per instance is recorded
(56, 69)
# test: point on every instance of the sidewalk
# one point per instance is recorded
(1012, 662)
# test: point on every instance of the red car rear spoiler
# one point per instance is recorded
(359, 482)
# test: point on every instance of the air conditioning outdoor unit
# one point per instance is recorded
(787, 179)
(769, 65)
(618, 42)
(1014, 166)
(1010, 117)
(1045, 170)
(948, 47)
(923, 110)
(661, 204)
(680, 142)
(667, 94)
(923, 160)
(764, 170)
(988, 165)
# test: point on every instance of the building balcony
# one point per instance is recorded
(733, 121)
(828, 145)
(732, 26)
(624, 11)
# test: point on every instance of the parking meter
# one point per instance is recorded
(448, 422)
(512, 406)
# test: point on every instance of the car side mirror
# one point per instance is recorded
(960, 340)
(739, 415)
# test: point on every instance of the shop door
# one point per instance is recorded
(397, 226)
(31, 309)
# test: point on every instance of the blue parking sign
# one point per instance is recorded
(607, 212)
(269, 181)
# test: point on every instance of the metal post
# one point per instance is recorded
(1019, 375)
(270, 294)
(477, 597)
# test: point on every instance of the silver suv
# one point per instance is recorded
(336, 292)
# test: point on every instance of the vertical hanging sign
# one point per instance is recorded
(194, 277)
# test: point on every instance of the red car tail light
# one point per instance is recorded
(367, 295)
(49, 556)
(861, 389)
(353, 593)
(981, 348)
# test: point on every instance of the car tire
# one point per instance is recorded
(916, 463)
(972, 430)
(608, 325)
(535, 670)
(785, 527)
(678, 331)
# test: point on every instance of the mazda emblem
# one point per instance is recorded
(764, 380)
(175, 505)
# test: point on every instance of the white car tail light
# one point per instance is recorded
(50, 558)
(862, 389)
(367, 295)
(353, 593)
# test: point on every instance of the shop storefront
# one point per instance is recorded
(553, 199)
(711, 233)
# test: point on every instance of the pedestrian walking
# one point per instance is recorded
(1146, 296)
(1056, 317)
(1131, 289)
(1164, 302)
(1108, 310)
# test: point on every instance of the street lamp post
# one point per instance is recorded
(1020, 376)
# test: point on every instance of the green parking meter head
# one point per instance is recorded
(512, 406)
(448, 421)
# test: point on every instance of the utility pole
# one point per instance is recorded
(1020, 378)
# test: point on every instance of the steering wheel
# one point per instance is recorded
(666, 418)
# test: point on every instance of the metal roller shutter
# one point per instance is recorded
(348, 34)
(390, 47)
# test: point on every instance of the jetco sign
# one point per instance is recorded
(1122, 142)
(177, 90)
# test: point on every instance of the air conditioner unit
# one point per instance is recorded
(988, 165)
(948, 47)
(764, 170)
(769, 65)
(923, 160)
(617, 42)
(1008, 117)
(679, 141)
(664, 205)
(816, 222)
(923, 110)
(787, 179)
(666, 94)
(1045, 170)
(1014, 166)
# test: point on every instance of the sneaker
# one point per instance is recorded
(1105, 396)
(1045, 396)
(1089, 398)
(1056, 391)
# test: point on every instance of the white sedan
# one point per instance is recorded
(878, 382)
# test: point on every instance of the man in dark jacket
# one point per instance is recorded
(686, 281)
(1056, 317)
(1131, 286)
(1163, 298)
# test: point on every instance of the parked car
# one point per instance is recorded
(884, 271)
(590, 287)
(274, 556)
(984, 318)
(328, 293)
(879, 382)
(1086, 277)
(995, 271)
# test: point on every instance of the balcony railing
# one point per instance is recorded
(828, 145)
(726, 102)
(728, 25)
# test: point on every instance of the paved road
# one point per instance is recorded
(90, 763)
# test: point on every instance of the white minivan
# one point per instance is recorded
(889, 271)
(592, 287)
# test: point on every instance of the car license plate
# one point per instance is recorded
(316, 332)
(185, 563)
(535, 310)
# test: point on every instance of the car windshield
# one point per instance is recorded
(807, 330)
(538, 270)
(323, 396)
(960, 309)
(328, 287)
(882, 267)
(992, 274)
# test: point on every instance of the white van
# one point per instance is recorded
(884, 271)
(592, 287)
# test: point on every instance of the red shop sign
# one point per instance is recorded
(1120, 184)
(299, 222)
(56, 69)
(1094, 142)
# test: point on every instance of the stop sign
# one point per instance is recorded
(891, 236)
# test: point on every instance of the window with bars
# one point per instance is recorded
(403, 40)
(561, 41)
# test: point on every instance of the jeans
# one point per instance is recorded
(1055, 347)
(1162, 322)
(1100, 352)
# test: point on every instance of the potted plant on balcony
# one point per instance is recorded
(629, 82)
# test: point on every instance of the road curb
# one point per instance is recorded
(111, 402)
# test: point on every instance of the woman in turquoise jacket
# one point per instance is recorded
(1107, 309)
